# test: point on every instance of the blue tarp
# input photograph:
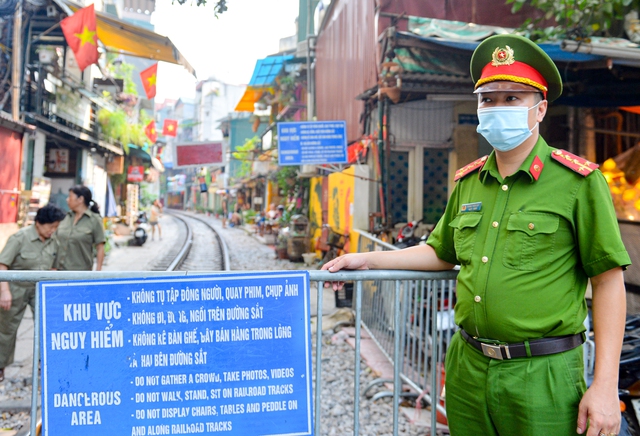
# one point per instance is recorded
(552, 49)
(267, 70)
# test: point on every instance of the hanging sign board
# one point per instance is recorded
(135, 174)
(312, 142)
(228, 353)
(199, 154)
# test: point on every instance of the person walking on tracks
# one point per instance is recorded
(31, 248)
(529, 225)
(154, 219)
(79, 232)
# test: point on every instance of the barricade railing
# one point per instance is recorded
(405, 312)
(427, 324)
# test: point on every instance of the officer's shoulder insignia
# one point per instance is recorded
(576, 163)
(476, 164)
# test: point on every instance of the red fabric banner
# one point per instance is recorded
(80, 32)
(170, 128)
(151, 132)
(149, 78)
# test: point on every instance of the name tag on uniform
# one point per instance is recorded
(471, 207)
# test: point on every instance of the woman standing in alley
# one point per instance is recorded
(79, 232)
(31, 248)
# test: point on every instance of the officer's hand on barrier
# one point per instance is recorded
(348, 261)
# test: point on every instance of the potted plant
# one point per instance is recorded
(281, 244)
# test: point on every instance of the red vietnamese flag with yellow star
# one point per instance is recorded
(80, 32)
(149, 77)
(170, 128)
(151, 132)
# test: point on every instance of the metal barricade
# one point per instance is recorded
(427, 325)
(403, 311)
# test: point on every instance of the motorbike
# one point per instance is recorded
(141, 230)
(407, 235)
(629, 379)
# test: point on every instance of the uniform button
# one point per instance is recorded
(531, 226)
(477, 299)
(505, 187)
(485, 259)
(494, 224)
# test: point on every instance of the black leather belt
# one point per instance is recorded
(537, 347)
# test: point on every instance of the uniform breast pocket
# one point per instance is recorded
(465, 234)
(531, 239)
(30, 259)
(84, 236)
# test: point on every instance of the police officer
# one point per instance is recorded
(529, 226)
(80, 231)
(31, 248)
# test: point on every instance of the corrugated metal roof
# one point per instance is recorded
(346, 62)
(6, 120)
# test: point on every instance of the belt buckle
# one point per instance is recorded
(495, 351)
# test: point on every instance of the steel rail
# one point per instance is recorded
(223, 245)
(186, 248)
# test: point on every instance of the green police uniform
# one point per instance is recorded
(24, 251)
(526, 245)
(77, 241)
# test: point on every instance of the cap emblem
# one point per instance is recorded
(502, 56)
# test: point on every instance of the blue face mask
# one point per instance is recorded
(505, 127)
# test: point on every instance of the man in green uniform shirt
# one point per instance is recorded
(529, 226)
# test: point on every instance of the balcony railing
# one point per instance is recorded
(65, 102)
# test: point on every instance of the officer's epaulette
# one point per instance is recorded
(476, 164)
(576, 163)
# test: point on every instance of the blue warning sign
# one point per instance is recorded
(228, 353)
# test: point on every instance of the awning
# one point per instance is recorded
(267, 69)
(632, 109)
(249, 98)
(140, 153)
(263, 78)
(608, 77)
(132, 40)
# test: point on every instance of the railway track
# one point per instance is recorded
(203, 248)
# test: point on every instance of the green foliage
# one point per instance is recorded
(285, 218)
(117, 126)
(219, 7)
(287, 179)
(244, 153)
(146, 197)
(124, 71)
(576, 19)
(249, 215)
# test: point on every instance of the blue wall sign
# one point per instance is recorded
(312, 142)
(228, 354)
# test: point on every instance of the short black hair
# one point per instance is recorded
(49, 214)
